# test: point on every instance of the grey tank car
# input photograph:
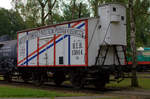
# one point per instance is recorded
(8, 56)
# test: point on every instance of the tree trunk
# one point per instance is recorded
(50, 12)
(42, 11)
(96, 8)
(51, 5)
(134, 80)
(73, 8)
(42, 18)
(80, 10)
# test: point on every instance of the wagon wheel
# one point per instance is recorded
(77, 81)
(100, 85)
(7, 77)
(59, 78)
(37, 79)
(25, 78)
(37, 82)
(101, 80)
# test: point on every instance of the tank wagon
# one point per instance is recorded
(85, 51)
(8, 58)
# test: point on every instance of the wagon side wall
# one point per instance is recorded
(54, 46)
(93, 40)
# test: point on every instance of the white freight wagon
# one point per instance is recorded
(76, 43)
(94, 47)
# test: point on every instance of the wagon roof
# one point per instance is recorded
(65, 22)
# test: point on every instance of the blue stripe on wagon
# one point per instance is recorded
(68, 47)
(49, 46)
(80, 26)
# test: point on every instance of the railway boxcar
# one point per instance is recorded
(88, 50)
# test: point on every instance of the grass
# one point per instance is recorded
(12, 91)
(144, 83)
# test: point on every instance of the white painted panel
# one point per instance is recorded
(32, 46)
(60, 50)
(46, 56)
(21, 47)
(50, 52)
(66, 50)
(77, 46)
(77, 51)
(93, 40)
(62, 47)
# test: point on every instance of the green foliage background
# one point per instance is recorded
(28, 15)
(10, 22)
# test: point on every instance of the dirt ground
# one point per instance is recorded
(93, 97)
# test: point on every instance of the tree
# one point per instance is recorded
(75, 10)
(134, 80)
(43, 5)
(10, 22)
(51, 4)
(95, 3)
(142, 20)
(35, 12)
(4, 22)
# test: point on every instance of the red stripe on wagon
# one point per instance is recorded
(38, 51)
(86, 42)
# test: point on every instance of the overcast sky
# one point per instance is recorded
(5, 4)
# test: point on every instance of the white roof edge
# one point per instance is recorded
(112, 3)
(64, 22)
